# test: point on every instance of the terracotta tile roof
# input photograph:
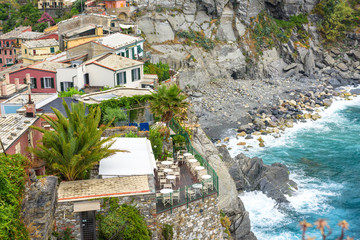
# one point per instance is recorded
(114, 62)
(100, 188)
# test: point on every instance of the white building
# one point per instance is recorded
(113, 70)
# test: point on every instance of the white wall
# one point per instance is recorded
(101, 77)
(75, 75)
(123, 50)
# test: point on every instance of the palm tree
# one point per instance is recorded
(168, 102)
(75, 145)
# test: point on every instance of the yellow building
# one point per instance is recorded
(83, 35)
(38, 50)
(52, 28)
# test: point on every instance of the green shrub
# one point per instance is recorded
(338, 18)
(115, 115)
(178, 139)
(197, 37)
(12, 182)
(70, 92)
(162, 70)
(167, 232)
(123, 222)
(156, 139)
(131, 135)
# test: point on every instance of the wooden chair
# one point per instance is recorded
(190, 193)
(201, 173)
(176, 195)
(161, 175)
(162, 183)
(209, 184)
(177, 174)
(167, 199)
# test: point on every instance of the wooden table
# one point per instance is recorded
(205, 177)
(166, 191)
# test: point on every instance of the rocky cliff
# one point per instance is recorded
(38, 206)
(228, 195)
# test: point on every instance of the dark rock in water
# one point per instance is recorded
(249, 136)
(252, 174)
(355, 91)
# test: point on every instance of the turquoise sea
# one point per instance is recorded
(324, 159)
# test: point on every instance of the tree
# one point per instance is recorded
(75, 145)
(46, 18)
(168, 102)
(114, 115)
(79, 5)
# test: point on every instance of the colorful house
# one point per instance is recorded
(120, 8)
(114, 70)
(8, 46)
(38, 50)
(50, 4)
(118, 43)
(42, 76)
(16, 136)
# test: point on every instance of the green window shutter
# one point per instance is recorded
(52, 82)
(127, 53)
(62, 87)
(52, 50)
(34, 83)
(132, 74)
(138, 70)
(133, 53)
(25, 51)
(118, 79)
(123, 54)
(0, 60)
(42, 82)
(125, 77)
(71, 84)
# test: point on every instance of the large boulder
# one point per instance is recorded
(252, 174)
(283, 9)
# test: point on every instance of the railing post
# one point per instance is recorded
(187, 197)
(171, 203)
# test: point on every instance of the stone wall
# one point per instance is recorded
(201, 220)
(38, 207)
(66, 218)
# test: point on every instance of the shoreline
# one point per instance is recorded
(246, 140)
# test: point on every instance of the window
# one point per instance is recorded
(0, 60)
(65, 85)
(5, 52)
(122, 54)
(112, 24)
(121, 78)
(33, 82)
(9, 61)
(52, 50)
(7, 43)
(34, 52)
(0, 50)
(18, 148)
(127, 53)
(47, 82)
(10, 52)
(14, 51)
(135, 73)
(25, 51)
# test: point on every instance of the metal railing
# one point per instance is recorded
(188, 193)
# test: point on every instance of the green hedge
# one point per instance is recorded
(12, 183)
(123, 222)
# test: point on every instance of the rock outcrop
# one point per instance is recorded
(252, 174)
(39, 205)
(228, 195)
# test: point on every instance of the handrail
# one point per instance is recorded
(176, 127)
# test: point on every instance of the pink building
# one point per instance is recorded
(42, 76)
(116, 4)
(9, 49)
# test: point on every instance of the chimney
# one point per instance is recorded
(99, 30)
(3, 88)
(7, 78)
(27, 77)
(17, 84)
(30, 106)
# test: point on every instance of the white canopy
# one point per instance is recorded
(139, 160)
